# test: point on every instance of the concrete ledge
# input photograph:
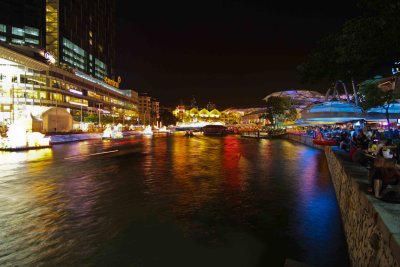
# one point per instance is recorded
(304, 139)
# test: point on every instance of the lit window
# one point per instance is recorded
(3, 38)
(17, 31)
(90, 42)
(90, 33)
(3, 28)
(32, 41)
(17, 41)
(31, 31)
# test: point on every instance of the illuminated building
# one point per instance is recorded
(29, 86)
(144, 108)
(79, 34)
(22, 22)
(155, 110)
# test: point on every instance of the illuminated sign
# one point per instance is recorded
(48, 56)
(112, 82)
(75, 91)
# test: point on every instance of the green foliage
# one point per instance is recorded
(370, 95)
(291, 115)
(91, 118)
(167, 118)
(364, 43)
(276, 106)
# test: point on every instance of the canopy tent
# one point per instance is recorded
(332, 112)
(379, 113)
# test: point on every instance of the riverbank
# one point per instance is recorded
(372, 226)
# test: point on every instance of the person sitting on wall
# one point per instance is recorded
(383, 173)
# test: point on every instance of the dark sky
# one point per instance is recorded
(233, 53)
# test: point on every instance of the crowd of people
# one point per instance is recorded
(376, 149)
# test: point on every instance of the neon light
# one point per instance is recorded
(79, 104)
(75, 91)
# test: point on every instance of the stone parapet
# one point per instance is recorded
(372, 226)
(304, 139)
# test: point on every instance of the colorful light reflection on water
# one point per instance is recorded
(169, 201)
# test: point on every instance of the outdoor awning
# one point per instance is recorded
(332, 112)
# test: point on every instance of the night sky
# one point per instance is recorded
(233, 53)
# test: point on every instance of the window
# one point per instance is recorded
(17, 41)
(32, 41)
(3, 28)
(3, 38)
(17, 31)
(31, 31)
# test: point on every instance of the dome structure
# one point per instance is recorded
(335, 110)
(300, 98)
(332, 111)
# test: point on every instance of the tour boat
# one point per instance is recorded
(214, 130)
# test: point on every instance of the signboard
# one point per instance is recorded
(112, 82)
(48, 56)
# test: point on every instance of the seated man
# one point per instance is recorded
(386, 172)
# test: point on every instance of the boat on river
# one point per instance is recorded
(217, 130)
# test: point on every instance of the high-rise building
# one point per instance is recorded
(59, 54)
(144, 108)
(155, 111)
(22, 22)
(79, 34)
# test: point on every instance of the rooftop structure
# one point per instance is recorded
(300, 98)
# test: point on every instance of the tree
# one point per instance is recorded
(167, 118)
(363, 45)
(370, 95)
(291, 114)
(276, 106)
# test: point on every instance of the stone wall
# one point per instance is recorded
(372, 226)
(304, 139)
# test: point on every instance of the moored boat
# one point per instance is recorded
(214, 130)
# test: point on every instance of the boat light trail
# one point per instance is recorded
(93, 154)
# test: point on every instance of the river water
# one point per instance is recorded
(169, 201)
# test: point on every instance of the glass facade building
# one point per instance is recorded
(86, 34)
(79, 34)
